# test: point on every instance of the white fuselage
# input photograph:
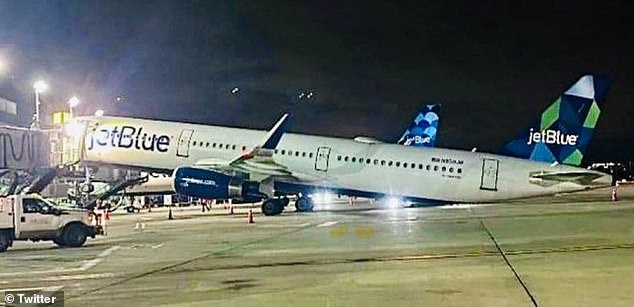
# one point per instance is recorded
(319, 162)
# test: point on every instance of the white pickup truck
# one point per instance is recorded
(31, 217)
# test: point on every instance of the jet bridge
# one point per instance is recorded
(23, 149)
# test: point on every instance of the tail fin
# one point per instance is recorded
(563, 131)
(422, 133)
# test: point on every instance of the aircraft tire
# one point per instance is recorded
(304, 204)
(272, 207)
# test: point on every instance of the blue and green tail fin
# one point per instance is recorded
(561, 134)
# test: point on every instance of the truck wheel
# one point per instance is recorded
(74, 235)
(5, 242)
(59, 241)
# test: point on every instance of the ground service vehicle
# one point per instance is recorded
(31, 217)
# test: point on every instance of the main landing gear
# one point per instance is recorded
(304, 204)
(274, 206)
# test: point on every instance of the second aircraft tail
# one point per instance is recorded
(422, 133)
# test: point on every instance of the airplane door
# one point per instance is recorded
(183, 143)
(321, 159)
(489, 178)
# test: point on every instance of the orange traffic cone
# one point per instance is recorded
(230, 209)
(614, 196)
(250, 221)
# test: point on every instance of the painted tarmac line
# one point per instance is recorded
(85, 265)
(77, 277)
(286, 226)
(93, 262)
(39, 289)
(326, 224)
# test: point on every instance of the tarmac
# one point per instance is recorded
(570, 250)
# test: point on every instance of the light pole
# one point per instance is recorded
(39, 87)
(72, 103)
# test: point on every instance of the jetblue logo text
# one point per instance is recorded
(128, 137)
(551, 137)
(417, 139)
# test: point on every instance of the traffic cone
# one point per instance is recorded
(251, 221)
(107, 215)
(614, 196)
(230, 209)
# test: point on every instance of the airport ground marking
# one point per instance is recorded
(187, 261)
(83, 267)
(509, 264)
(326, 224)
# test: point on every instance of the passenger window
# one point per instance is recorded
(227, 146)
(459, 171)
(338, 158)
(194, 143)
(207, 144)
(297, 154)
(376, 161)
(428, 167)
(451, 169)
(354, 159)
(283, 151)
(213, 145)
(244, 148)
(310, 154)
(275, 151)
(345, 158)
(435, 168)
(398, 163)
(390, 163)
(219, 146)
(444, 168)
(420, 166)
(303, 153)
(367, 161)
(382, 162)
(360, 160)
(413, 165)
(290, 152)
(405, 164)
(233, 147)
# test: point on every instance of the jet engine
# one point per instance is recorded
(210, 184)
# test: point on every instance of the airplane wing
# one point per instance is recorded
(255, 166)
(258, 162)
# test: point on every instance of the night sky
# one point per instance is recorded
(493, 65)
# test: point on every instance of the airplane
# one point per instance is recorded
(223, 162)
(422, 133)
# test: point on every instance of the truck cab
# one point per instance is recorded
(31, 217)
